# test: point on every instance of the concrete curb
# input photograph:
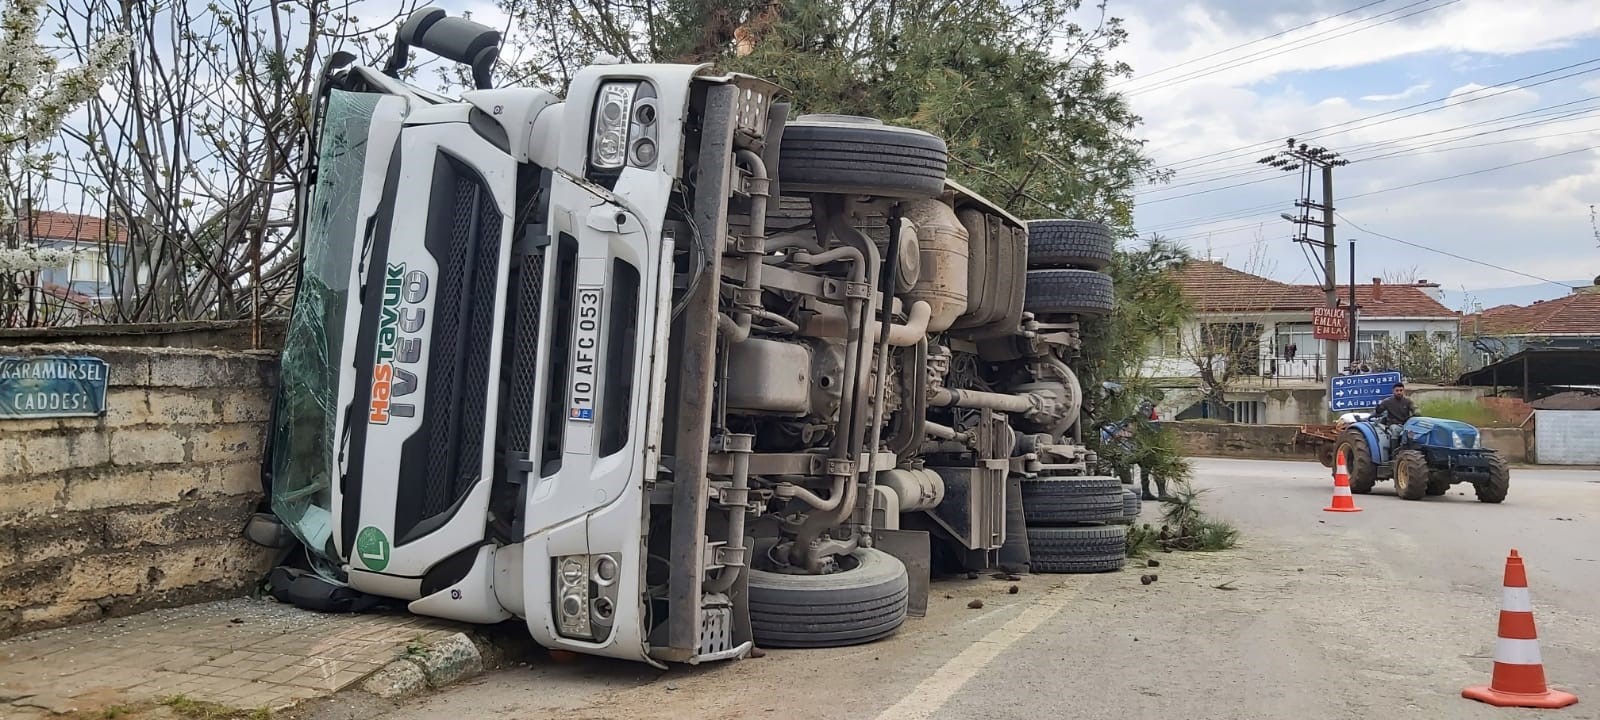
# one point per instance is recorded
(458, 657)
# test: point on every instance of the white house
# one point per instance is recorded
(1266, 326)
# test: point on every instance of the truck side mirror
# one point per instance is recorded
(456, 39)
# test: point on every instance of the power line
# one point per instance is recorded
(1469, 174)
(1174, 66)
(1212, 190)
(1546, 119)
(1462, 99)
(1289, 47)
(1420, 151)
(1451, 254)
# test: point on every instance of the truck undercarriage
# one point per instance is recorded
(659, 369)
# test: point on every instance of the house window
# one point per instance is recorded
(1367, 342)
(1167, 345)
(1441, 337)
(1416, 337)
(1297, 334)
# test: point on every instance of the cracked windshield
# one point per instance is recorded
(303, 443)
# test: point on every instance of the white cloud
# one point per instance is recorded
(1405, 94)
(1532, 217)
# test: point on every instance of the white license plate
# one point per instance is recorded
(585, 354)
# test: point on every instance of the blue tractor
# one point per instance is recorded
(1424, 456)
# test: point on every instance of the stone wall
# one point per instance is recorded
(142, 507)
(206, 334)
(1264, 442)
(1283, 442)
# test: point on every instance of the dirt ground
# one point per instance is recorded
(1384, 613)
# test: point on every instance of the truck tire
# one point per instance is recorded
(1063, 500)
(1363, 474)
(1438, 482)
(1495, 488)
(1410, 474)
(846, 155)
(1132, 504)
(1078, 549)
(1069, 244)
(858, 605)
(1076, 292)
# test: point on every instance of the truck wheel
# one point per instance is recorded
(1438, 482)
(845, 155)
(859, 604)
(1078, 292)
(1069, 244)
(1359, 461)
(1078, 549)
(1059, 500)
(1132, 505)
(1410, 474)
(1495, 488)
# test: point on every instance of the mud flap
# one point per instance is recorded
(1014, 554)
(910, 547)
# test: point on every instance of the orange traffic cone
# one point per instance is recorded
(1342, 500)
(1518, 679)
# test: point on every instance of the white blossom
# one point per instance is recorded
(30, 259)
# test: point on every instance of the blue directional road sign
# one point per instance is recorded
(1360, 392)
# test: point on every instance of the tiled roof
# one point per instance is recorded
(1214, 287)
(49, 225)
(1575, 314)
(1395, 301)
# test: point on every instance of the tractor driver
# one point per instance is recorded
(1397, 408)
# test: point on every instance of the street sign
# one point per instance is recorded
(52, 386)
(1330, 324)
(1359, 392)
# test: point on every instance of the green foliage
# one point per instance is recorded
(186, 707)
(1149, 304)
(1018, 91)
(1420, 360)
(1185, 527)
(1142, 540)
(1468, 411)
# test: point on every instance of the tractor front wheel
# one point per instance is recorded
(1410, 474)
(1358, 458)
(1494, 489)
(1439, 482)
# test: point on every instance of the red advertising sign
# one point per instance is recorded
(1330, 324)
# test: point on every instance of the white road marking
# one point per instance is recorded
(932, 693)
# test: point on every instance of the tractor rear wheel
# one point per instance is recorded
(1410, 474)
(1495, 488)
(1358, 459)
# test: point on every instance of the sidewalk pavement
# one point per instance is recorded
(241, 654)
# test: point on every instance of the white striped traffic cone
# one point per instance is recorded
(1342, 500)
(1518, 679)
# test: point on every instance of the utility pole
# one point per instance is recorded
(1305, 158)
(1353, 307)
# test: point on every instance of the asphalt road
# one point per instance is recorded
(1386, 613)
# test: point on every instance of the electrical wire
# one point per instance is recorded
(1469, 174)
(1174, 66)
(1450, 254)
(1462, 99)
(1301, 44)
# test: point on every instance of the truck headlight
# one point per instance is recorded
(624, 126)
(586, 595)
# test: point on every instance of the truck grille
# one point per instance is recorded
(524, 340)
(442, 461)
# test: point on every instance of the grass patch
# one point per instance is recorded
(1468, 411)
(193, 709)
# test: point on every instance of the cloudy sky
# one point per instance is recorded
(1409, 92)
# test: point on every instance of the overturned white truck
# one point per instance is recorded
(665, 372)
